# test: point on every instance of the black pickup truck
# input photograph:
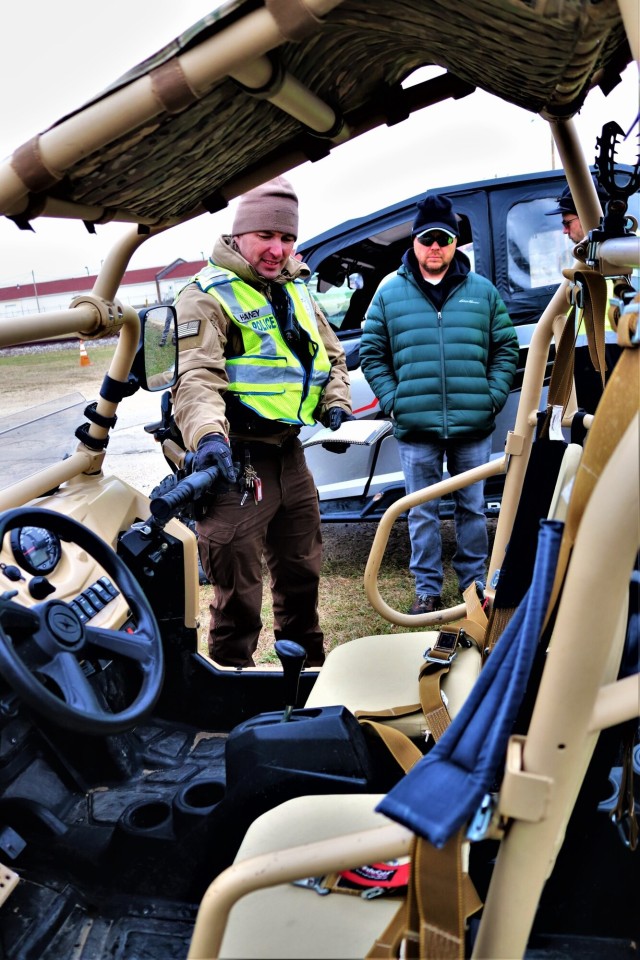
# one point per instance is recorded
(508, 237)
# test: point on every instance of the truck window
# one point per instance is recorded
(537, 249)
(468, 249)
(343, 284)
(332, 299)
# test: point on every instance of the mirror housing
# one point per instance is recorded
(156, 364)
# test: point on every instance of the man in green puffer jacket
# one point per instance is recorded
(440, 353)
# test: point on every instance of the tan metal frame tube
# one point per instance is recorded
(577, 173)
(283, 866)
(292, 97)
(491, 469)
(127, 108)
(615, 703)
(630, 13)
(589, 209)
(40, 326)
(95, 315)
(82, 461)
(520, 440)
(584, 654)
(623, 252)
(116, 263)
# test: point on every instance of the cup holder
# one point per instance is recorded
(196, 801)
(149, 818)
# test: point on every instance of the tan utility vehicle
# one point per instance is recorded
(154, 804)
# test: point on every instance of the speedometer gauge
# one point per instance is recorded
(36, 549)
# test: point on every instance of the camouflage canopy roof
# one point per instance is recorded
(255, 89)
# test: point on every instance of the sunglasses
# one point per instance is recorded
(567, 223)
(429, 237)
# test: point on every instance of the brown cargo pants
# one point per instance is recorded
(284, 528)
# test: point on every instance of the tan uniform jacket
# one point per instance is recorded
(204, 329)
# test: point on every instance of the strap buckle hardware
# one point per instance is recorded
(313, 883)
(576, 295)
(479, 825)
(444, 650)
(635, 336)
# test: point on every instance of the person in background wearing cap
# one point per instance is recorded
(257, 362)
(440, 352)
(588, 381)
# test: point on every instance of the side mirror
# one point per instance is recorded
(156, 366)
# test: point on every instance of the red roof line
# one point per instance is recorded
(179, 269)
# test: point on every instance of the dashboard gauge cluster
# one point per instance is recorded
(36, 549)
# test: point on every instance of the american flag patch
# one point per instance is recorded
(189, 329)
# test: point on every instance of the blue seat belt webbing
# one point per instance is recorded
(443, 790)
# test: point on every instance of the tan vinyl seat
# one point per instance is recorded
(379, 672)
(286, 921)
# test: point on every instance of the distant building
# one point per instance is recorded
(139, 288)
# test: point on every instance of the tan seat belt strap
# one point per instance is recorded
(559, 391)
(437, 665)
(592, 288)
(431, 923)
(403, 750)
(389, 713)
(387, 945)
(439, 661)
(445, 897)
(475, 614)
(618, 406)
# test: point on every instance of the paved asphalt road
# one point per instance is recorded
(133, 454)
(34, 436)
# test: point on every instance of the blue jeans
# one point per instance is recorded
(422, 465)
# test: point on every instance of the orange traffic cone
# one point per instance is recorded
(84, 356)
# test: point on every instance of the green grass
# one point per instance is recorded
(40, 376)
(345, 612)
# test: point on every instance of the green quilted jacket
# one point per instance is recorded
(441, 374)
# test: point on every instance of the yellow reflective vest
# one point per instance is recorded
(268, 376)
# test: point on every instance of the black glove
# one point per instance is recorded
(334, 418)
(214, 451)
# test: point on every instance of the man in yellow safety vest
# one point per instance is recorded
(257, 362)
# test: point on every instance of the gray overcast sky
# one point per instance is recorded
(58, 55)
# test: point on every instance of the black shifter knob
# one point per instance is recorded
(292, 657)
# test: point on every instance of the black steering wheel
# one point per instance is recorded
(44, 645)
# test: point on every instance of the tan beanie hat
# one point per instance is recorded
(271, 206)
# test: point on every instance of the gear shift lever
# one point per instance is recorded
(292, 657)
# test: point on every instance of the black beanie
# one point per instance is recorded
(435, 212)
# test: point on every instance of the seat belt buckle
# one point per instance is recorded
(444, 651)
